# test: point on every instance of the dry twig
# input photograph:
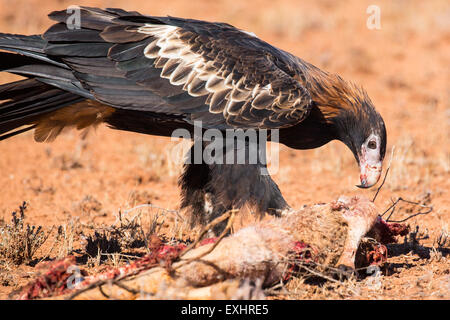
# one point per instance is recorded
(393, 206)
(385, 175)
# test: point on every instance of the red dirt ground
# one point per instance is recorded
(403, 66)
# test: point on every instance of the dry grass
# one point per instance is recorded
(66, 238)
(19, 241)
(126, 239)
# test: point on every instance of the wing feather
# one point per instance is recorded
(205, 71)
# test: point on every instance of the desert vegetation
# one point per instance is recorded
(100, 198)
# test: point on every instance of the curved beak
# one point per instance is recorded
(370, 174)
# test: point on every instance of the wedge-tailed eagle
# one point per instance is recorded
(153, 75)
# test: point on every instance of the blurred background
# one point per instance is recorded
(403, 65)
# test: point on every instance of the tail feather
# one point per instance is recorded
(27, 101)
(34, 43)
(50, 85)
(29, 46)
(25, 66)
(32, 62)
(14, 133)
(12, 89)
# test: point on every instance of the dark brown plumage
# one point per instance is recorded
(153, 75)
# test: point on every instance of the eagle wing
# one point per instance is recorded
(193, 70)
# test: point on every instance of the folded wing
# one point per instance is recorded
(193, 70)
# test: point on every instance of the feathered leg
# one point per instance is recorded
(210, 190)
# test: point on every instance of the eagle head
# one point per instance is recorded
(362, 129)
(351, 117)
